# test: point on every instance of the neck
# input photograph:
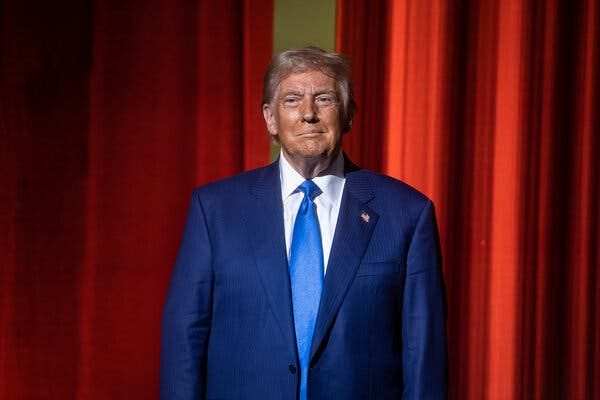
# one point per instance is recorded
(310, 168)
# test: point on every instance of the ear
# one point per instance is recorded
(269, 116)
(347, 127)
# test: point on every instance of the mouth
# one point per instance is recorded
(311, 133)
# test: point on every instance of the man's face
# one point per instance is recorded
(304, 117)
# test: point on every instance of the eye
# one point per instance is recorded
(325, 100)
(291, 101)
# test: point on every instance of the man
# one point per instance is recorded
(309, 278)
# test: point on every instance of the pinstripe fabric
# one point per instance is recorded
(380, 332)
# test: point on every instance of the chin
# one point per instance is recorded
(315, 148)
(316, 154)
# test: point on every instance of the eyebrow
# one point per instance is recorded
(317, 92)
(325, 91)
(291, 92)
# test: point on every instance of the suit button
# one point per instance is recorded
(292, 368)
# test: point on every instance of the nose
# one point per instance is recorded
(309, 112)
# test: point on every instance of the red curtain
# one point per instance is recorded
(491, 108)
(111, 112)
(361, 34)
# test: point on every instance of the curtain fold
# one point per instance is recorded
(490, 109)
(362, 34)
(112, 112)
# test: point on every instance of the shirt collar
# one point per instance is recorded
(330, 181)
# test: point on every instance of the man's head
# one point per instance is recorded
(310, 58)
(308, 105)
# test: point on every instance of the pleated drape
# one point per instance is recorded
(491, 108)
(112, 112)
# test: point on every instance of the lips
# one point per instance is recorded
(311, 132)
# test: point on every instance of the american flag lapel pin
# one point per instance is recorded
(365, 217)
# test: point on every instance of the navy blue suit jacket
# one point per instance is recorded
(228, 330)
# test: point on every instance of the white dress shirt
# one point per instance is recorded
(331, 182)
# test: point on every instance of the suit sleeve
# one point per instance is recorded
(424, 354)
(187, 313)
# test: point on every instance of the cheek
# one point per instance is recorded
(290, 117)
(333, 123)
(288, 124)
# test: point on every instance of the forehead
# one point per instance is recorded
(311, 80)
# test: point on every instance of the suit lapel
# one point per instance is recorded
(353, 233)
(265, 219)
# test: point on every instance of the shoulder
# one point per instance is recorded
(236, 189)
(388, 189)
(239, 181)
(401, 208)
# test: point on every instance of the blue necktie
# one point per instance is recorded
(306, 273)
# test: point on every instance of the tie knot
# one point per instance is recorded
(310, 189)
